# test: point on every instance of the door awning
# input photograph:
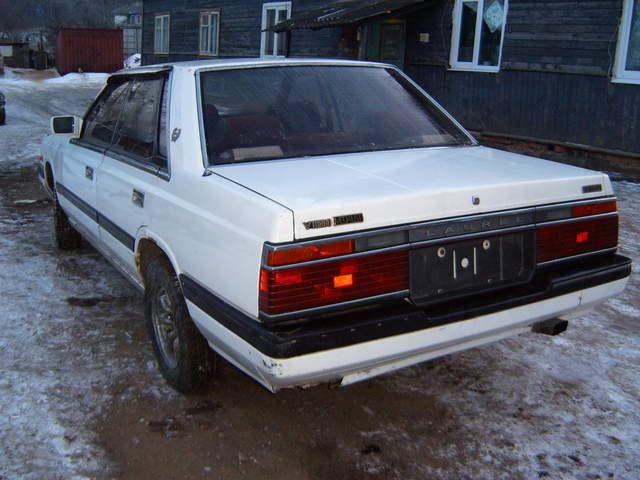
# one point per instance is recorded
(343, 12)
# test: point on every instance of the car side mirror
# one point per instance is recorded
(66, 124)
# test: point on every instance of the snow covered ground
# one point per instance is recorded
(81, 397)
(30, 105)
(45, 392)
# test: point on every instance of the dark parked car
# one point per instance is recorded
(3, 115)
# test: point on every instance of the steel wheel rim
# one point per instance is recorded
(165, 328)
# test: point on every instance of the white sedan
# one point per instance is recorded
(318, 221)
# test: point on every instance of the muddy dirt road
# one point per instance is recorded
(81, 397)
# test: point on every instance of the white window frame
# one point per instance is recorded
(159, 46)
(213, 50)
(473, 66)
(278, 6)
(620, 72)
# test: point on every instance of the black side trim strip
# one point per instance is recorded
(397, 317)
(118, 233)
(87, 209)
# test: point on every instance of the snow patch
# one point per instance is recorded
(30, 105)
(80, 78)
(133, 61)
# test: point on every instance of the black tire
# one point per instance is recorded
(3, 116)
(65, 237)
(184, 356)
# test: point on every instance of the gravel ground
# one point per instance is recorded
(81, 397)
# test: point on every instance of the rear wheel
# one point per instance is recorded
(184, 356)
(65, 237)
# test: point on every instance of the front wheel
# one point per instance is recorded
(185, 358)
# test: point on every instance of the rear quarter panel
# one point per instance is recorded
(214, 232)
(212, 229)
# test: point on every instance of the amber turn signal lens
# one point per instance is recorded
(290, 256)
(342, 281)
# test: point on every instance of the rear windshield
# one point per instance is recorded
(295, 111)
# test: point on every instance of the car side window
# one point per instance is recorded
(136, 134)
(102, 119)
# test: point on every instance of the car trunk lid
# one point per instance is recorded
(342, 193)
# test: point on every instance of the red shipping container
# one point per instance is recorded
(89, 50)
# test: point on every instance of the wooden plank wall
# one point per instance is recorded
(562, 36)
(570, 36)
(240, 24)
(554, 83)
(555, 78)
(584, 109)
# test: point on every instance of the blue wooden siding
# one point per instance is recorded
(240, 25)
(554, 83)
(555, 77)
(583, 109)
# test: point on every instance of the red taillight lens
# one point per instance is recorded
(289, 256)
(568, 239)
(594, 209)
(582, 237)
(293, 289)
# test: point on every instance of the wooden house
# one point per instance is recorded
(559, 71)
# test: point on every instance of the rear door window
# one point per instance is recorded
(137, 131)
(102, 120)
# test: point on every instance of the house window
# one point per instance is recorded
(478, 32)
(6, 51)
(274, 44)
(161, 35)
(627, 67)
(209, 28)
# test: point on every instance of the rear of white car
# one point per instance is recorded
(398, 255)
(324, 220)
(352, 306)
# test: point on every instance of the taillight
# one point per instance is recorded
(594, 209)
(309, 252)
(326, 283)
(569, 239)
(308, 275)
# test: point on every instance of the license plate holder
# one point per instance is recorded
(471, 266)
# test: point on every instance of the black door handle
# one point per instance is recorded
(137, 198)
(88, 172)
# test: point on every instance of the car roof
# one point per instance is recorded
(230, 63)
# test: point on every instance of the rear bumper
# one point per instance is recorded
(361, 344)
